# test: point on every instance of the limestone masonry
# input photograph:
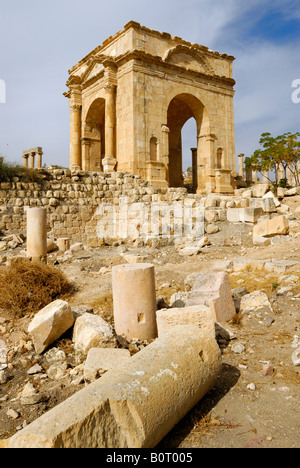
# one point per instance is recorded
(130, 97)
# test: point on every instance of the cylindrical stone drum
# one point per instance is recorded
(134, 298)
(37, 234)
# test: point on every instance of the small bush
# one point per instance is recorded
(9, 171)
(27, 287)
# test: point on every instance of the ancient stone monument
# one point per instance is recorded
(130, 97)
(30, 155)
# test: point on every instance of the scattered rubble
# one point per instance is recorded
(259, 341)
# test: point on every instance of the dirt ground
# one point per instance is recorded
(245, 408)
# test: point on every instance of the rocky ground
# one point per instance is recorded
(255, 403)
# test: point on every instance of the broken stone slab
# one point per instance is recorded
(3, 352)
(135, 404)
(275, 199)
(271, 227)
(246, 264)
(259, 190)
(261, 241)
(212, 288)
(30, 396)
(199, 315)
(91, 331)
(281, 266)
(266, 204)
(256, 303)
(49, 324)
(244, 215)
(101, 360)
(222, 265)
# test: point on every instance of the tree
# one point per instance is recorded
(279, 154)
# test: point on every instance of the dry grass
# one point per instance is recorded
(27, 287)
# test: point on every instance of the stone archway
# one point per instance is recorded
(181, 108)
(93, 136)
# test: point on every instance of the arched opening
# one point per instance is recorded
(189, 154)
(93, 140)
(187, 120)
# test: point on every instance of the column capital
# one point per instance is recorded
(74, 107)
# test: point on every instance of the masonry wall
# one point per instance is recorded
(78, 202)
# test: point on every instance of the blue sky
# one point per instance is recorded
(40, 41)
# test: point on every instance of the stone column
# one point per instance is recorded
(109, 161)
(31, 160)
(209, 145)
(241, 165)
(75, 136)
(39, 160)
(249, 175)
(194, 168)
(25, 160)
(86, 166)
(37, 234)
(134, 299)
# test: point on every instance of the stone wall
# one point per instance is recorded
(78, 201)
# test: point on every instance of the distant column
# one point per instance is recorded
(194, 168)
(31, 160)
(249, 175)
(75, 136)
(39, 160)
(241, 164)
(109, 161)
(37, 234)
(25, 160)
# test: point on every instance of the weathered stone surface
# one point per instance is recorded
(3, 352)
(244, 215)
(100, 360)
(261, 241)
(212, 288)
(256, 302)
(49, 324)
(272, 227)
(136, 404)
(199, 316)
(91, 331)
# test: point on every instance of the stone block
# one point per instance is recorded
(49, 324)
(266, 204)
(212, 288)
(259, 190)
(244, 215)
(135, 404)
(91, 331)
(272, 227)
(262, 241)
(199, 316)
